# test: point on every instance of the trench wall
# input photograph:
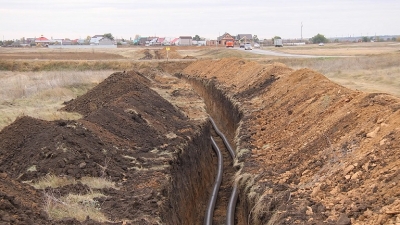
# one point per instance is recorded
(192, 177)
(227, 115)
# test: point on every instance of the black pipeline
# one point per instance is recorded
(211, 203)
(230, 215)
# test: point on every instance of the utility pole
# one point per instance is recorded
(301, 32)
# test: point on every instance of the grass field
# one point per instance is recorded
(41, 94)
(36, 81)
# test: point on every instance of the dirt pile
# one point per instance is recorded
(19, 203)
(160, 53)
(129, 134)
(310, 151)
(147, 55)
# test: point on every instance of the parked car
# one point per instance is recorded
(256, 45)
(241, 45)
(321, 44)
(247, 46)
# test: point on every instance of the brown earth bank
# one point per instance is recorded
(308, 150)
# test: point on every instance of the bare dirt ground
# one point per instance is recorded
(310, 151)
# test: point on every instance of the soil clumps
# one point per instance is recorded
(310, 151)
(129, 135)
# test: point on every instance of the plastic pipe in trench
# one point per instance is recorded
(211, 204)
(230, 215)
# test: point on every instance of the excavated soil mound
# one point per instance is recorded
(189, 57)
(310, 151)
(129, 134)
(160, 54)
(19, 203)
(147, 54)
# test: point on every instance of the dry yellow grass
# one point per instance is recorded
(374, 73)
(74, 206)
(54, 181)
(97, 182)
(41, 94)
(341, 49)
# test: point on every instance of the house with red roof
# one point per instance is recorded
(175, 41)
(160, 41)
(42, 41)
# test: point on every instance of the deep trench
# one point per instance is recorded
(195, 169)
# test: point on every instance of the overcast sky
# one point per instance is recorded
(207, 18)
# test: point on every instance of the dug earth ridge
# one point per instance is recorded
(309, 151)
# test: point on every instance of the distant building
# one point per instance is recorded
(100, 40)
(185, 40)
(224, 38)
(175, 41)
(244, 38)
(106, 41)
(42, 41)
(142, 41)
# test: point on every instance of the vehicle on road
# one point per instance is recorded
(321, 44)
(256, 45)
(278, 43)
(247, 46)
(241, 45)
(229, 44)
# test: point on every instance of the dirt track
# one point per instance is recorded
(309, 151)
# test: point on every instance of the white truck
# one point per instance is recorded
(278, 43)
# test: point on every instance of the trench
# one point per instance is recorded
(196, 167)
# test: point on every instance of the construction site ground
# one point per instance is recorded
(309, 151)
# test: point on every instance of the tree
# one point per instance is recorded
(319, 38)
(8, 42)
(365, 39)
(1, 43)
(196, 38)
(87, 40)
(276, 37)
(255, 38)
(109, 36)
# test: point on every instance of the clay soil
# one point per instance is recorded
(309, 151)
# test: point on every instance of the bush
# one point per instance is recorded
(319, 38)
